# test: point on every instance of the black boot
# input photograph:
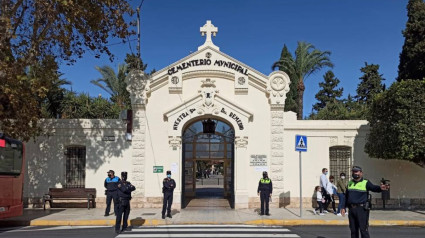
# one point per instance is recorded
(163, 216)
(169, 215)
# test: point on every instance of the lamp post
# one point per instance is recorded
(138, 33)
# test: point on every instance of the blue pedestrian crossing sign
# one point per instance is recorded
(300, 143)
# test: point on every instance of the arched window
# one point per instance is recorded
(339, 160)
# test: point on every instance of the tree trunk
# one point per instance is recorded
(300, 91)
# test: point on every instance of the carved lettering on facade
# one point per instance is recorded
(234, 116)
(182, 117)
(201, 62)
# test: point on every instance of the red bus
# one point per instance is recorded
(12, 162)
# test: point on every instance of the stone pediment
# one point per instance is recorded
(208, 62)
(200, 106)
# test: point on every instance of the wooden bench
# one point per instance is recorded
(88, 194)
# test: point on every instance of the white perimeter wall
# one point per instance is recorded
(45, 156)
(406, 178)
(46, 160)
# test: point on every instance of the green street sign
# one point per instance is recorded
(158, 169)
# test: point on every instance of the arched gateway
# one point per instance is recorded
(246, 109)
(208, 162)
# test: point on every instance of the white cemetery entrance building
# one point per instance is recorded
(217, 124)
(203, 117)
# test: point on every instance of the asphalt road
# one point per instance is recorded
(344, 231)
(296, 231)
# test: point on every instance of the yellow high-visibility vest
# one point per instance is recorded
(266, 181)
(359, 187)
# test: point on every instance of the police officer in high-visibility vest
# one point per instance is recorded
(265, 189)
(357, 201)
(111, 192)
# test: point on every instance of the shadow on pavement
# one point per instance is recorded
(26, 218)
(138, 221)
(419, 212)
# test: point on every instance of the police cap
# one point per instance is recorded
(356, 169)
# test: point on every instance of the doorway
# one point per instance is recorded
(208, 160)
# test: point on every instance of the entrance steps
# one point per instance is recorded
(208, 203)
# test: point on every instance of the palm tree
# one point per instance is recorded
(114, 85)
(307, 61)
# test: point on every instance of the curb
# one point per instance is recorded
(154, 222)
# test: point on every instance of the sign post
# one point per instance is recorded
(301, 146)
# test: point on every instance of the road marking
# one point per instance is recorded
(206, 231)
(209, 229)
(206, 235)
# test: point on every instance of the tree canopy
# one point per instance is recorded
(81, 105)
(397, 121)
(370, 84)
(412, 57)
(42, 33)
(328, 92)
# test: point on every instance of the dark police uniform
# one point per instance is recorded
(124, 192)
(111, 193)
(265, 188)
(356, 197)
(168, 186)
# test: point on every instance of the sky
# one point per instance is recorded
(254, 32)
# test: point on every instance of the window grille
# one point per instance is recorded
(75, 167)
(339, 160)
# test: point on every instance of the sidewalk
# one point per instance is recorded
(152, 217)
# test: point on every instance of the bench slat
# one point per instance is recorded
(71, 194)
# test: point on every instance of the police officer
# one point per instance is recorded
(356, 198)
(124, 192)
(265, 189)
(110, 184)
(168, 186)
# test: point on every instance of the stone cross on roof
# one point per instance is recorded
(208, 29)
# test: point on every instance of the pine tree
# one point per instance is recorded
(329, 93)
(292, 95)
(334, 110)
(370, 85)
(412, 57)
(356, 111)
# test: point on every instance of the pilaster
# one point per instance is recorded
(138, 87)
(277, 151)
(278, 87)
(241, 186)
(138, 151)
